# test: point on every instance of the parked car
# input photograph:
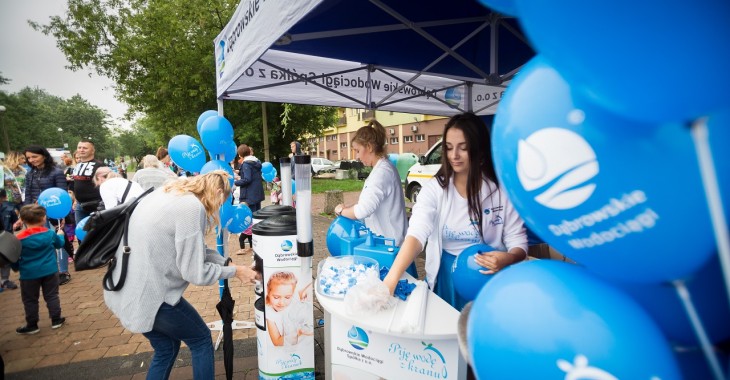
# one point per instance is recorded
(322, 165)
(425, 169)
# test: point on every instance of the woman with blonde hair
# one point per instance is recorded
(381, 203)
(15, 161)
(165, 262)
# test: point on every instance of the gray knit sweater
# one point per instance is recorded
(167, 238)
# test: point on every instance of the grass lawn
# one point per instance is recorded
(320, 185)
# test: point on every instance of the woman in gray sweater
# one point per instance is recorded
(167, 236)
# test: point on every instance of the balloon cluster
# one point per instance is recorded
(216, 134)
(592, 142)
(268, 171)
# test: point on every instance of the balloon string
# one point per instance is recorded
(221, 249)
(686, 299)
(700, 135)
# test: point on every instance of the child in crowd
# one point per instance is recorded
(276, 191)
(282, 322)
(38, 267)
(8, 217)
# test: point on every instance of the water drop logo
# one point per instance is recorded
(286, 245)
(579, 370)
(358, 338)
(221, 58)
(559, 165)
(453, 96)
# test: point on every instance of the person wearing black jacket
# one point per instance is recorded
(251, 186)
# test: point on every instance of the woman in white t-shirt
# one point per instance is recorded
(461, 206)
(381, 204)
(112, 187)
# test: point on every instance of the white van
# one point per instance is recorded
(423, 171)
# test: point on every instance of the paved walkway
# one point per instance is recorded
(93, 344)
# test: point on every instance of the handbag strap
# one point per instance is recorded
(108, 281)
(126, 191)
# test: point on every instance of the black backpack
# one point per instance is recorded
(106, 230)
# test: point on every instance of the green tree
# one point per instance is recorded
(160, 54)
(33, 116)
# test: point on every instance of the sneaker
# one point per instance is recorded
(27, 330)
(57, 323)
(65, 278)
(9, 285)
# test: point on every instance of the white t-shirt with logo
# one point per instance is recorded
(460, 231)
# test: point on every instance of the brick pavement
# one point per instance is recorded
(94, 343)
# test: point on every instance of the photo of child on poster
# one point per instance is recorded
(288, 310)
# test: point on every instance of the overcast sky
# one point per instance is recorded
(31, 59)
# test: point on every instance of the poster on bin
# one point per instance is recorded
(391, 357)
(286, 347)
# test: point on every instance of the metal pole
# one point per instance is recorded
(5, 130)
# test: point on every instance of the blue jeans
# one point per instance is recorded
(79, 213)
(174, 324)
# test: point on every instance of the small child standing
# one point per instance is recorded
(8, 216)
(38, 268)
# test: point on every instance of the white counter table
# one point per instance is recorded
(366, 347)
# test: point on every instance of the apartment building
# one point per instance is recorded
(405, 133)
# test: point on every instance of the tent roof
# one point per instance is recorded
(414, 43)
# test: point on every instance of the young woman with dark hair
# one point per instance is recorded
(462, 206)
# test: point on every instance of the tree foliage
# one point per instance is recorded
(160, 54)
(33, 116)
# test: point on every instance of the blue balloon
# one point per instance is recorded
(216, 133)
(566, 324)
(242, 219)
(187, 153)
(230, 153)
(267, 167)
(269, 176)
(203, 117)
(342, 229)
(505, 7)
(80, 233)
(393, 158)
(56, 201)
(707, 290)
(467, 279)
(293, 187)
(599, 188)
(626, 68)
(226, 213)
(693, 364)
(216, 165)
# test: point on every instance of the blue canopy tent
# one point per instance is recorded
(427, 57)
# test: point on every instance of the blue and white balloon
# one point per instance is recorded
(241, 220)
(80, 233)
(56, 201)
(610, 193)
(203, 117)
(547, 319)
(216, 133)
(645, 66)
(466, 275)
(187, 153)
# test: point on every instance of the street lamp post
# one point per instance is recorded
(60, 133)
(5, 130)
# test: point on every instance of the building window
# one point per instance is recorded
(394, 140)
(407, 139)
(420, 138)
(343, 145)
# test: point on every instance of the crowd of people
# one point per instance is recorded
(463, 205)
